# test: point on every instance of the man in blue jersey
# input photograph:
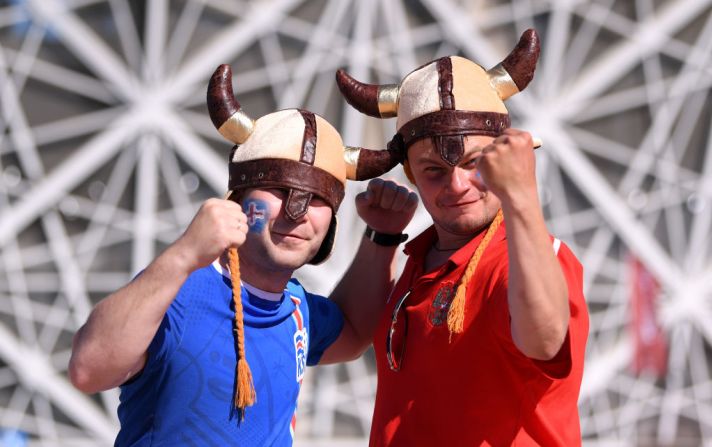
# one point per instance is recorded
(210, 342)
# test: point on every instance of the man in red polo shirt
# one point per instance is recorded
(482, 340)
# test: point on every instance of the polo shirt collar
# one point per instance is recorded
(418, 248)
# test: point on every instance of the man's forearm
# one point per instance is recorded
(362, 292)
(537, 290)
(111, 346)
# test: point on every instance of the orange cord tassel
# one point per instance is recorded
(456, 314)
(245, 395)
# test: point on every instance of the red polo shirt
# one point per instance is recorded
(478, 389)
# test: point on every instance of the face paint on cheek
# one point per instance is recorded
(257, 214)
(479, 181)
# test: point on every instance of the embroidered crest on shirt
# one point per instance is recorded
(441, 304)
(300, 347)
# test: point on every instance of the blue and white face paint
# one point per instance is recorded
(480, 182)
(257, 213)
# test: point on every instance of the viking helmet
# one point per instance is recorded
(292, 149)
(447, 99)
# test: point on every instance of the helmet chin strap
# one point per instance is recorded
(327, 244)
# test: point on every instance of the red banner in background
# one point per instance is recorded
(649, 340)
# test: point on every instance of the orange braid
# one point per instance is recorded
(244, 387)
(456, 314)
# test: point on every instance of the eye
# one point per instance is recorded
(318, 201)
(469, 164)
(278, 192)
(433, 169)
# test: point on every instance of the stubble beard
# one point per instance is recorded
(471, 222)
(269, 257)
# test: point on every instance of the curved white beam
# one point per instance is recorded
(34, 371)
(590, 181)
(647, 38)
(195, 152)
(261, 18)
(87, 46)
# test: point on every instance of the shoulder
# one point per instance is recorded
(318, 306)
(209, 272)
(297, 289)
(294, 283)
(206, 276)
(573, 273)
(202, 284)
(566, 257)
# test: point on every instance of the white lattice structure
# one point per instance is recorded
(106, 151)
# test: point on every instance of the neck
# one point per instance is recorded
(451, 242)
(446, 244)
(269, 281)
(434, 259)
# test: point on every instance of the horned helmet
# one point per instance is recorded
(292, 149)
(447, 99)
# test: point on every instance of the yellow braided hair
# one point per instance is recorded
(456, 314)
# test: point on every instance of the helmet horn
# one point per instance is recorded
(380, 101)
(225, 112)
(514, 73)
(364, 164)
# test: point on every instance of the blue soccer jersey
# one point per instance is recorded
(184, 395)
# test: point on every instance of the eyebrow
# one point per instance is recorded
(428, 159)
(466, 158)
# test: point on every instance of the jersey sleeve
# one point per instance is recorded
(561, 364)
(168, 335)
(325, 324)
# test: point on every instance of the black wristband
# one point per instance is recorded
(384, 239)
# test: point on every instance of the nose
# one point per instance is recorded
(292, 205)
(294, 221)
(460, 180)
(303, 218)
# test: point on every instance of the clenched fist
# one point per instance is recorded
(218, 225)
(386, 206)
(507, 166)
